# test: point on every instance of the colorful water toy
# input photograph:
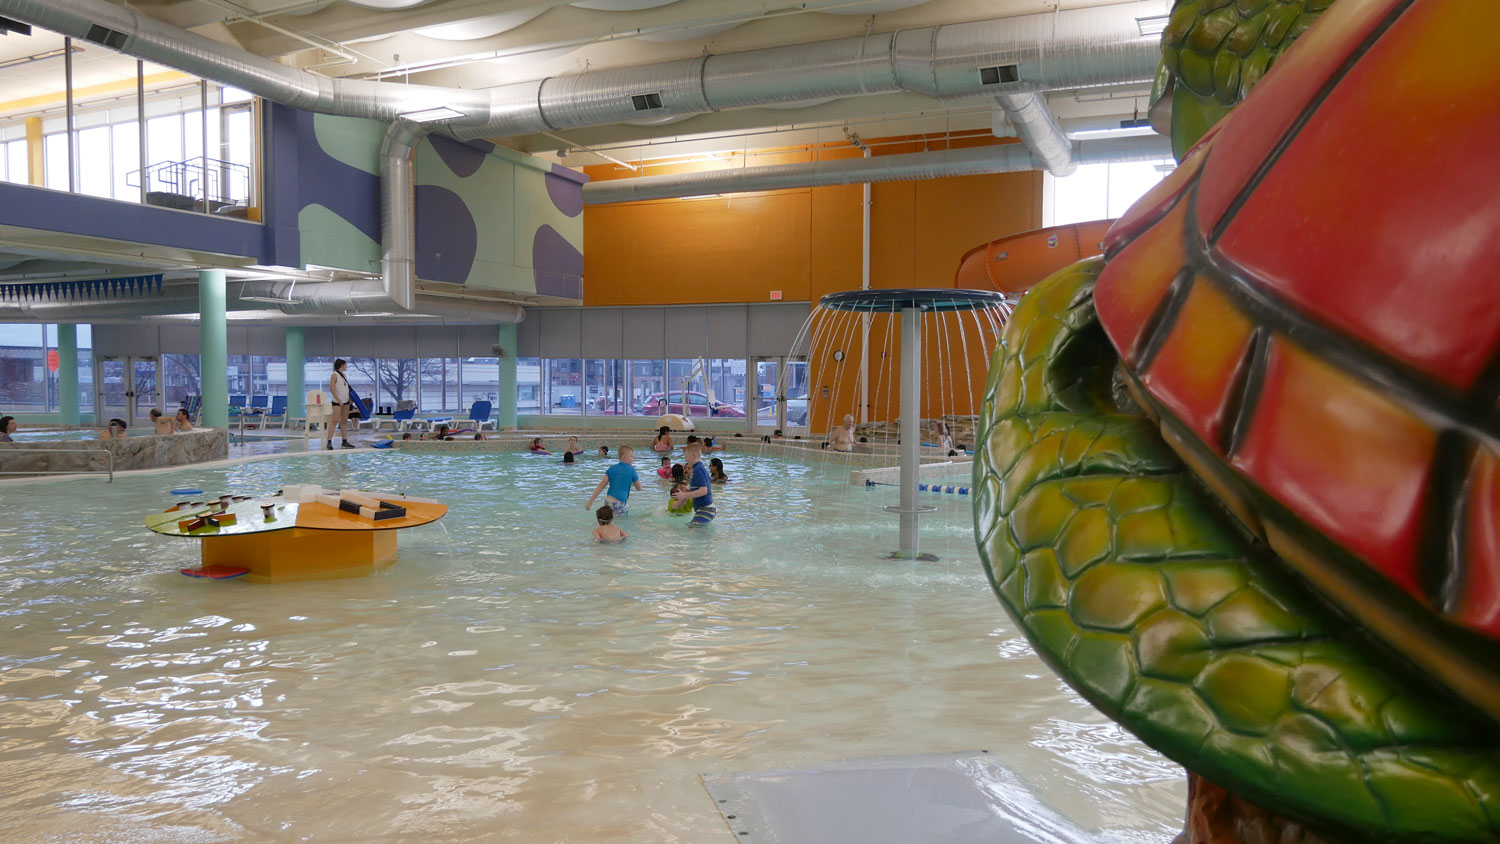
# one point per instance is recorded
(187, 490)
(1239, 480)
(304, 533)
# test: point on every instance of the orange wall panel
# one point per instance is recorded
(805, 243)
(696, 251)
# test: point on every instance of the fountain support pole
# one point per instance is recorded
(911, 427)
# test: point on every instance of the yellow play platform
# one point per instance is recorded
(298, 535)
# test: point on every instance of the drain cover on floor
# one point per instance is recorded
(953, 798)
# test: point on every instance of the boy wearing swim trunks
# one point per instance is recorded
(620, 478)
(700, 488)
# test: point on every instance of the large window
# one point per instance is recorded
(608, 387)
(648, 378)
(481, 380)
(13, 164)
(529, 385)
(193, 159)
(1099, 191)
(440, 385)
(564, 380)
(606, 392)
(27, 382)
(181, 376)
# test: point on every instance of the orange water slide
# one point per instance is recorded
(1013, 264)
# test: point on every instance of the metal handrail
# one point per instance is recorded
(110, 470)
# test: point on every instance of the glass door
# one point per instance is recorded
(763, 402)
(129, 387)
(112, 388)
(145, 391)
(795, 399)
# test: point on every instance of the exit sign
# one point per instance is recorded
(775, 295)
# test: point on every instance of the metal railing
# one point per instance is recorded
(181, 183)
(105, 451)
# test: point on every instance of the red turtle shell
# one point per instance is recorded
(1310, 305)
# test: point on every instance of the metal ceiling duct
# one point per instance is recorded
(1051, 51)
(1039, 131)
(972, 161)
(321, 303)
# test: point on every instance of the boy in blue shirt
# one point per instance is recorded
(699, 489)
(620, 478)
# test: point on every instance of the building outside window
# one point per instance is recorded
(27, 385)
(529, 385)
(481, 381)
(606, 392)
(181, 377)
(647, 378)
(564, 381)
(440, 387)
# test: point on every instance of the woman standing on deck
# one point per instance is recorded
(338, 387)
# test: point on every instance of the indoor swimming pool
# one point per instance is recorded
(508, 679)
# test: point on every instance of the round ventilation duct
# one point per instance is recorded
(390, 5)
(696, 33)
(621, 5)
(485, 27)
(874, 7)
(801, 103)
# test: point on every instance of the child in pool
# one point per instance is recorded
(607, 531)
(708, 445)
(665, 470)
(663, 443)
(679, 482)
(573, 447)
(716, 471)
(603, 451)
(568, 458)
(699, 490)
(538, 447)
(618, 480)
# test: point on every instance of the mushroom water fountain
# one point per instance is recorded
(900, 356)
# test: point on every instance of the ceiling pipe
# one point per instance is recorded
(344, 300)
(971, 161)
(1052, 51)
(1038, 129)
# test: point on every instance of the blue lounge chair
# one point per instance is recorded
(479, 414)
(277, 411)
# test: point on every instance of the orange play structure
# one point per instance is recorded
(1013, 264)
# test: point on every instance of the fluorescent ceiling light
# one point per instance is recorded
(1153, 25)
(429, 115)
(700, 196)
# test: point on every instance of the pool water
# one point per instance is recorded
(509, 679)
(55, 435)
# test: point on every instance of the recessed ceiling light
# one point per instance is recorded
(429, 115)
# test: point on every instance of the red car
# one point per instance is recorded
(698, 404)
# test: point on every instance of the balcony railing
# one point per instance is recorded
(181, 185)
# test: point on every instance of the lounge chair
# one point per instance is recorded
(479, 414)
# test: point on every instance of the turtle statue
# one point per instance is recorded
(1238, 479)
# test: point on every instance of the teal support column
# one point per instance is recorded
(67, 373)
(506, 405)
(213, 349)
(296, 388)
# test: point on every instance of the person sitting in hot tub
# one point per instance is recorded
(8, 426)
(183, 423)
(538, 447)
(115, 431)
(162, 424)
(663, 443)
